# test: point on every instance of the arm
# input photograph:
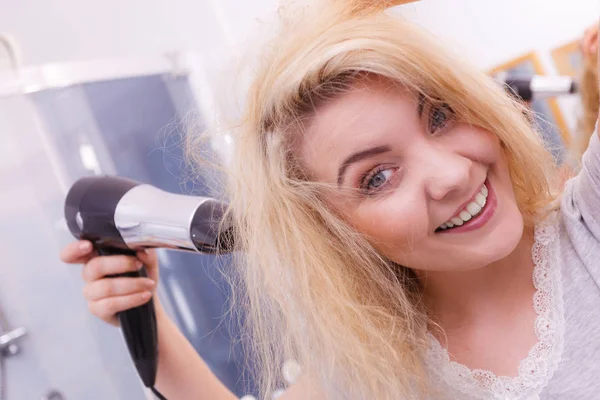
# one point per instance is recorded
(182, 374)
(583, 193)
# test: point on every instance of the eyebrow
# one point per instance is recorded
(358, 156)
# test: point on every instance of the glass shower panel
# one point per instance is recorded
(135, 127)
(66, 348)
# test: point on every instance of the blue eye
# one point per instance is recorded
(377, 179)
(439, 117)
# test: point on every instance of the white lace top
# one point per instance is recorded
(543, 358)
(565, 363)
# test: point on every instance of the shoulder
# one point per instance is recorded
(303, 389)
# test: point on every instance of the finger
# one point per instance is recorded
(107, 308)
(114, 287)
(78, 252)
(594, 47)
(589, 43)
(150, 260)
(148, 257)
(100, 267)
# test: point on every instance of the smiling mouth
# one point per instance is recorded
(471, 210)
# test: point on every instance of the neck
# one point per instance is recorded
(454, 298)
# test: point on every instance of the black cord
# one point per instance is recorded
(157, 394)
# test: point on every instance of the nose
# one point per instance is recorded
(446, 172)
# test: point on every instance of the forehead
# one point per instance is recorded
(372, 112)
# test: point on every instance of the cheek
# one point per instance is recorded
(496, 157)
(484, 146)
(495, 153)
(473, 143)
(393, 224)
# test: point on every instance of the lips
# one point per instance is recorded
(468, 218)
(471, 210)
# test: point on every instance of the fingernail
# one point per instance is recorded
(85, 246)
(149, 283)
(146, 295)
(139, 264)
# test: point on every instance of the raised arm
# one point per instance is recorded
(582, 194)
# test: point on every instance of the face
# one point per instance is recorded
(430, 192)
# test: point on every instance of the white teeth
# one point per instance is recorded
(480, 199)
(465, 216)
(457, 221)
(471, 210)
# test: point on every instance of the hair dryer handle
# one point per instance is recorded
(138, 326)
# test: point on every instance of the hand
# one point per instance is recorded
(108, 296)
(589, 42)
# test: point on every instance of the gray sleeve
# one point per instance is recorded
(584, 192)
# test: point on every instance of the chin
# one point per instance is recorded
(507, 230)
(506, 237)
(498, 237)
(479, 249)
(500, 241)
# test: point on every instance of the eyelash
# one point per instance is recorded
(448, 112)
(366, 178)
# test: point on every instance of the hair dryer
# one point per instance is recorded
(536, 87)
(121, 216)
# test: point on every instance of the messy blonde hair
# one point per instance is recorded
(315, 290)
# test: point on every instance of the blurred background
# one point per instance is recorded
(111, 87)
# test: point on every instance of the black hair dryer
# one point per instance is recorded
(122, 216)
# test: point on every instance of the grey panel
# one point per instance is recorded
(136, 126)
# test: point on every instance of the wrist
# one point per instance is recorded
(161, 314)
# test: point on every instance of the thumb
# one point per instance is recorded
(150, 260)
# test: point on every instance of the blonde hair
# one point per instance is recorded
(314, 289)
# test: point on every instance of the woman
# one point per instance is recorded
(392, 205)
